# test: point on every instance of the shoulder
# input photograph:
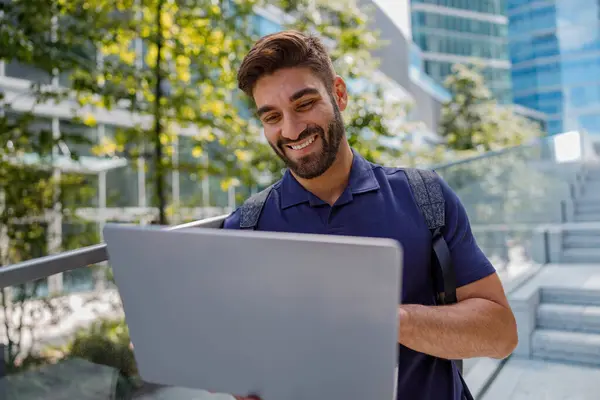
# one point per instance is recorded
(253, 203)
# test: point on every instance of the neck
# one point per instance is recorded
(331, 184)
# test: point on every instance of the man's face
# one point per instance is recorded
(302, 119)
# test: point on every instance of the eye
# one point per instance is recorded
(271, 119)
(305, 105)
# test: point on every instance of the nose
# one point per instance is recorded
(292, 127)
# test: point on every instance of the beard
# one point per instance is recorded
(315, 165)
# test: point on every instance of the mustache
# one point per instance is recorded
(308, 132)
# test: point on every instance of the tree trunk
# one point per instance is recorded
(158, 150)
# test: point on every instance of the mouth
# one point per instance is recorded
(302, 145)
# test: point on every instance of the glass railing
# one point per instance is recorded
(524, 184)
(508, 194)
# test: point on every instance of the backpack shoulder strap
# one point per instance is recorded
(252, 208)
(430, 199)
(428, 195)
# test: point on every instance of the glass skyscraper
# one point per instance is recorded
(462, 31)
(555, 53)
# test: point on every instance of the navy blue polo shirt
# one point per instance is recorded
(378, 202)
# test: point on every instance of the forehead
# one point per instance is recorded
(276, 88)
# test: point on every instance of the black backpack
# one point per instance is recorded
(430, 200)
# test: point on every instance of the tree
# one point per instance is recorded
(171, 65)
(472, 121)
(35, 197)
(496, 188)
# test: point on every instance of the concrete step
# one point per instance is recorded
(588, 207)
(568, 317)
(582, 231)
(571, 296)
(576, 347)
(581, 255)
(581, 241)
(589, 201)
(591, 186)
(586, 217)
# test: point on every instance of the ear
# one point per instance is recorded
(340, 93)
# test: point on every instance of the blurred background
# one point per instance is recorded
(128, 111)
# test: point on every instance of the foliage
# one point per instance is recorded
(502, 186)
(35, 197)
(105, 342)
(472, 121)
(171, 66)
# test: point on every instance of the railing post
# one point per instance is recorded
(540, 253)
(3, 382)
(2, 364)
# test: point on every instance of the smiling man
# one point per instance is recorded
(329, 188)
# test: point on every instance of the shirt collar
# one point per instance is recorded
(362, 180)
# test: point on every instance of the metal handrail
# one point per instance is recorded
(46, 266)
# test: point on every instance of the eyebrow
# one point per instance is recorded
(298, 95)
(303, 92)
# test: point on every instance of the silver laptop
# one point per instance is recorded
(287, 316)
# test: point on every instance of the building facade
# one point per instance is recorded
(402, 62)
(464, 31)
(555, 54)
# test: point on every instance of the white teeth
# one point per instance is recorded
(303, 145)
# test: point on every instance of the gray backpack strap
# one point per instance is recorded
(252, 208)
(430, 199)
(429, 196)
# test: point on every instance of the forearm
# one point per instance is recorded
(471, 328)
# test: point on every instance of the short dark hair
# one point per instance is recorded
(287, 49)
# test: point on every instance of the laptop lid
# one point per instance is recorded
(288, 316)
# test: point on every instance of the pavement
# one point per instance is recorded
(525, 379)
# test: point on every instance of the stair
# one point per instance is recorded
(570, 296)
(581, 239)
(587, 209)
(568, 326)
(581, 255)
(576, 318)
(582, 245)
(575, 347)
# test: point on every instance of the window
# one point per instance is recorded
(121, 183)
(422, 19)
(80, 139)
(19, 70)
(190, 178)
(484, 6)
(76, 235)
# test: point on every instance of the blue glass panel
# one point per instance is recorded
(266, 26)
(484, 6)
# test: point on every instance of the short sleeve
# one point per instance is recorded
(232, 221)
(470, 263)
